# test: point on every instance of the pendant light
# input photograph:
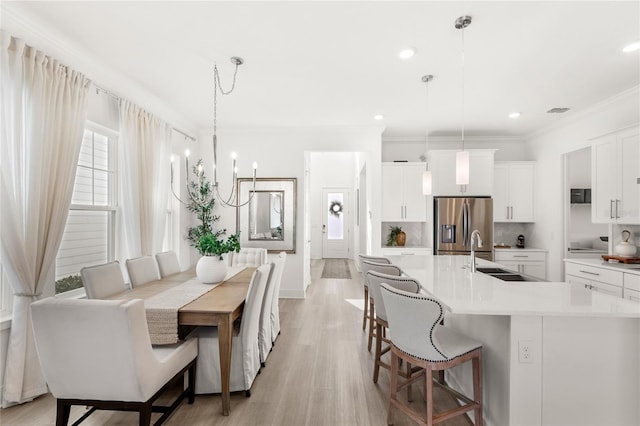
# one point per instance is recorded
(427, 180)
(462, 157)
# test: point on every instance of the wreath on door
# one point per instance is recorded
(335, 208)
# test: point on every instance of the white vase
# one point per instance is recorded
(211, 270)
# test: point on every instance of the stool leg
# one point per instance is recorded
(428, 377)
(393, 386)
(366, 307)
(372, 319)
(477, 388)
(376, 365)
(409, 389)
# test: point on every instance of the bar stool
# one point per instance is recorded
(376, 259)
(378, 267)
(375, 279)
(418, 338)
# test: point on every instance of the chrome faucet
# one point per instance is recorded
(476, 234)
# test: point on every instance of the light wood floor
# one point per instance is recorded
(319, 373)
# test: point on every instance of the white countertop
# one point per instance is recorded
(632, 268)
(462, 292)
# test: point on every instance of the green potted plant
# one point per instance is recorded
(396, 237)
(211, 267)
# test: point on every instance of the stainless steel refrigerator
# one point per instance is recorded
(455, 218)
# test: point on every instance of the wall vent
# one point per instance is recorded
(557, 110)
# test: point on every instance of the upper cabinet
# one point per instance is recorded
(615, 165)
(513, 191)
(402, 198)
(442, 164)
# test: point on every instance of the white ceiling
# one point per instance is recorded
(335, 63)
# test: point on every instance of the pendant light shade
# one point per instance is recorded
(462, 157)
(427, 185)
(462, 168)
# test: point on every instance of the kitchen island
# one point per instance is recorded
(554, 353)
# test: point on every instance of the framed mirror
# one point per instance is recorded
(268, 219)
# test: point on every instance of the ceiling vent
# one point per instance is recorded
(557, 110)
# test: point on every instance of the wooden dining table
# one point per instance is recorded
(219, 307)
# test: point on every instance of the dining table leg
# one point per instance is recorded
(225, 336)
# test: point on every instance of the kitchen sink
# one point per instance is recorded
(505, 275)
(494, 270)
(510, 277)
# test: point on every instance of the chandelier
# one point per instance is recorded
(200, 191)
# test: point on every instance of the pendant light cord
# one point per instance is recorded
(463, 88)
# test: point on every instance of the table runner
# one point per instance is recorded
(162, 309)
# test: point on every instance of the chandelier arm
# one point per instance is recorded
(252, 193)
(177, 197)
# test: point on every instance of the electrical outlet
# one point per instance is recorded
(525, 351)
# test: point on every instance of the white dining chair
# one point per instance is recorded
(168, 263)
(264, 332)
(275, 298)
(142, 270)
(102, 281)
(385, 268)
(249, 256)
(98, 353)
(245, 352)
(417, 337)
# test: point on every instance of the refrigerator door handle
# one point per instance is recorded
(465, 224)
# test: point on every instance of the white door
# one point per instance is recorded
(307, 231)
(336, 223)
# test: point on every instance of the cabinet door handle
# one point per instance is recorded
(511, 212)
(617, 215)
(589, 273)
(520, 255)
(611, 216)
(507, 212)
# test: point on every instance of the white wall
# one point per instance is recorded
(327, 170)
(571, 133)
(280, 153)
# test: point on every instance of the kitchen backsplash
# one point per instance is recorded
(617, 234)
(416, 233)
(507, 233)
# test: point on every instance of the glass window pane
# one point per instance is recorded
(101, 188)
(335, 216)
(83, 187)
(86, 150)
(84, 243)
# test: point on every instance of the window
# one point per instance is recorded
(88, 237)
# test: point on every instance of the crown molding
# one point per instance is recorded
(580, 114)
(449, 139)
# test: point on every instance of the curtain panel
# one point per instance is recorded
(43, 107)
(143, 157)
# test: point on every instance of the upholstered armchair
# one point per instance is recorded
(98, 353)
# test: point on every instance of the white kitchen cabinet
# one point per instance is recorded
(528, 262)
(513, 191)
(615, 165)
(442, 164)
(402, 198)
(597, 279)
(631, 288)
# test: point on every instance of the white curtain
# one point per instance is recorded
(144, 180)
(43, 112)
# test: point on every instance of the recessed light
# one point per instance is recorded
(514, 115)
(407, 53)
(631, 47)
(378, 117)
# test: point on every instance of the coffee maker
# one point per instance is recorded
(520, 243)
